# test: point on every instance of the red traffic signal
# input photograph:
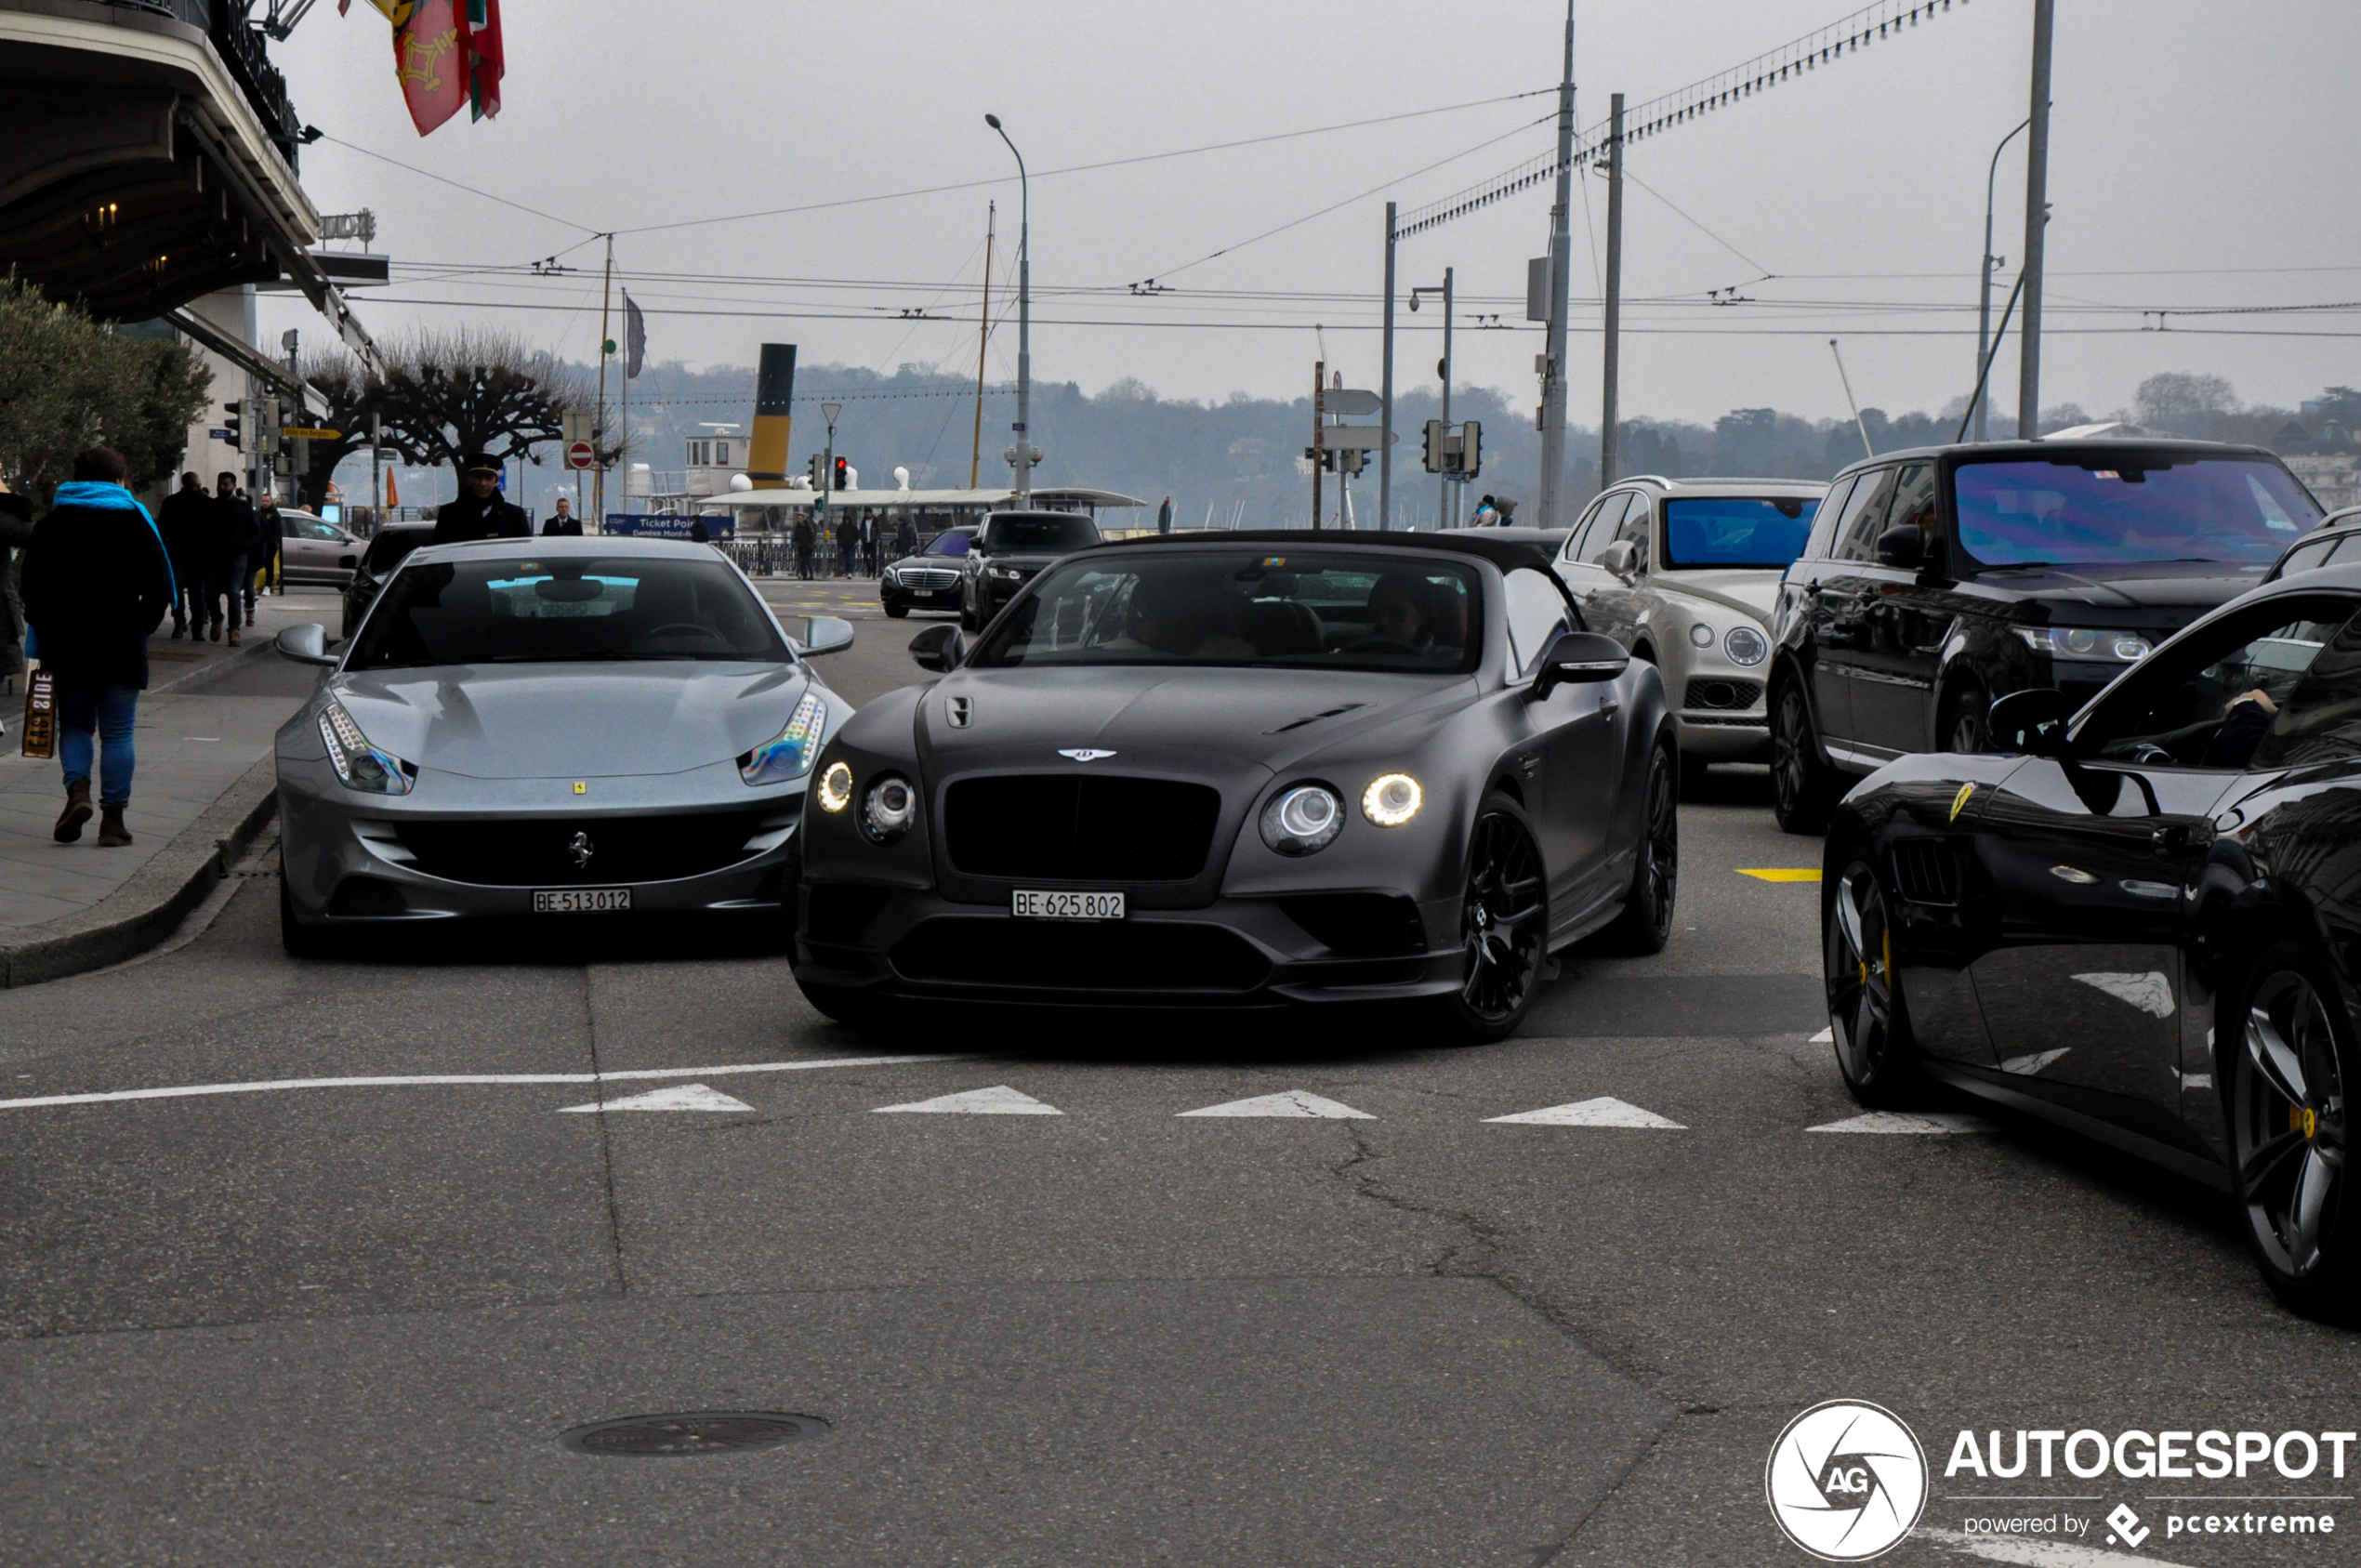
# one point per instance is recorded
(842, 463)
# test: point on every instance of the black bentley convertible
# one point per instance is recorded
(2142, 920)
(1248, 770)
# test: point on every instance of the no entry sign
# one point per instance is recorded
(579, 455)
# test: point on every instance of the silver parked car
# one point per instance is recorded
(549, 728)
(312, 549)
(1684, 573)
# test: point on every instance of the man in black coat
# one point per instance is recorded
(563, 523)
(187, 517)
(96, 584)
(480, 512)
(229, 534)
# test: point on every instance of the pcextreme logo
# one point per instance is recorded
(1846, 1481)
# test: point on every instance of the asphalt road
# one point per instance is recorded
(308, 1324)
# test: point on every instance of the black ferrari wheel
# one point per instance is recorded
(1963, 722)
(1504, 924)
(2289, 1136)
(1865, 1012)
(1803, 785)
(1645, 924)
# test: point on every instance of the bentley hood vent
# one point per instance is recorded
(1313, 718)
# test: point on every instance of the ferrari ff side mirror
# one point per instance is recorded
(1622, 558)
(1580, 658)
(938, 648)
(1903, 547)
(825, 634)
(2032, 721)
(305, 644)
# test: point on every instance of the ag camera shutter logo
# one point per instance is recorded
(1846, 1481)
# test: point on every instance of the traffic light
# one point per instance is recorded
(818, 481)
(842, 463)
(1471, 450)
(1436, 429)
(267, 421)
(233, 418)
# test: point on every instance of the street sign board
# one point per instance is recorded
(308, 432)
(1350, 402)
(580, 455)
(668, 525)
(1354, 438)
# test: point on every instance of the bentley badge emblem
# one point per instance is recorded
(961, 710)
(581, 851)
(1084, 754)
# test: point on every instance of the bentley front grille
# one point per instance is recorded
(1068, 827)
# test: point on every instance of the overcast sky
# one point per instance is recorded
(2202, 156)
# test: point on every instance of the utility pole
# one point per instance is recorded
(1385, 391)
(1984, 305)
(376, 474)
(1611, 352)
(2037, 218)
(1851, 401)
(1319, 418)
(983, 340)
(1553, 369)
(606, 346)
(1446, 515)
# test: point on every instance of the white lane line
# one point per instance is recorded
(997, 1101)
(1604, 1112)
(1291, 1103)
(2037, 1554)
(1922, 1122)
(1825, 1037)
(686, 1097)
(423, 1080)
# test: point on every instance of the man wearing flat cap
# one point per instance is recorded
(480, 512)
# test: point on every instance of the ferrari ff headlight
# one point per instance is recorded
(360, 765)
(1302, 821)
(889, 809)
(1391, 799)
(790, 753)
(2082, 642)
(836, 787)
(1744, 645)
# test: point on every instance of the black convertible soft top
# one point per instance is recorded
(1502, 553)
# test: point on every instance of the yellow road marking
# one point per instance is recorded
(1780, 873)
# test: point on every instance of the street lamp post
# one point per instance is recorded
(828, 411)
(1984, 307)
(1022, 480)
(1447, 512)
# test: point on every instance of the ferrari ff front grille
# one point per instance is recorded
(584, 852)
(1063, 827)
(1723, 696)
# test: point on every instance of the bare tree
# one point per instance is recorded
(447, 394)
(2183, 404)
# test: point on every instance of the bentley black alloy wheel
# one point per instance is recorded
(1645, 924)
(1801, 786)
(1866, 1013)
(1504, 924)
(2289, 1136)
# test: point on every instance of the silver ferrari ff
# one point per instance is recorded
(549, 729)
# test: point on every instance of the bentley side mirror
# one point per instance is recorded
(938, 648)
(825, 634)
(1622, 558)
(2032, 721)
(1903, 547)
(1579, 658)
(305, 644)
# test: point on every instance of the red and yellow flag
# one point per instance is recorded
(445, 53)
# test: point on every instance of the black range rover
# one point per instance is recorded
(1938, 579)
(1008, 550)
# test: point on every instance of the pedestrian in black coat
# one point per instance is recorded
(563, 523)
(229, 534)
(480, 512)
(188, 514)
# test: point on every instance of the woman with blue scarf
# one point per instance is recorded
(97, 584)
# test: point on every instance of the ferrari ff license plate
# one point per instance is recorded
(581, 900)
(1029, 905)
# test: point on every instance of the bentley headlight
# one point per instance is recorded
(790, 753)
(358, 764)
(1745, 646)
(1391, 799)
(1303, 820)
(889, 809)
(2083, 642)
(836, 787)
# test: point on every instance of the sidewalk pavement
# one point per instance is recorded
(203, 737)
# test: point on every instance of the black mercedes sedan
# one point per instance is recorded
(1006, 553)
(1247, 770)
(1937, 580)
(928, 578)
(2141, 920)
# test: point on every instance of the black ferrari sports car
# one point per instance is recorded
(2141, 920)
(1248, 770)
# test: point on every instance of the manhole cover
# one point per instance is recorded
(704, 1431)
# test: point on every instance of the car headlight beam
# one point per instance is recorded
(836, 787)
(1302, 820)
(2086, 642)
(1391, 799)
(789, 754)
(360, 765)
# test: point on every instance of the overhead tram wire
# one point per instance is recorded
(592, 234)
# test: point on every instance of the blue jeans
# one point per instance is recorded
(227, 577)
(109, 710)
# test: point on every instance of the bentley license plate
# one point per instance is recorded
(581, 900)
(1030, 905)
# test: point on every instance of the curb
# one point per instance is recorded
(149, 907)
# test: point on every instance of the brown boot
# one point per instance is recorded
(77, 811)
(112, 835)
(234, 639)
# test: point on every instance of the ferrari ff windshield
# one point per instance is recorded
(506, 611)
(1308, 610)
(1737, 530)
(2082, 512)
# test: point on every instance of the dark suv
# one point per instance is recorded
(1936, 580)
(1009, 549)
(387, 549)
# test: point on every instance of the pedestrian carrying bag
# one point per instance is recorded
(41, 715)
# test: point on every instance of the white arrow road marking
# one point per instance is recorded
(2036, 1062)
(1825, 1037)
(2151, 993)
(1293, 1102)
(424, 1080)
(1911, 1121)
(2037, 1554)
(688, 1097)
(1604, 1112)
(997, 1101)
